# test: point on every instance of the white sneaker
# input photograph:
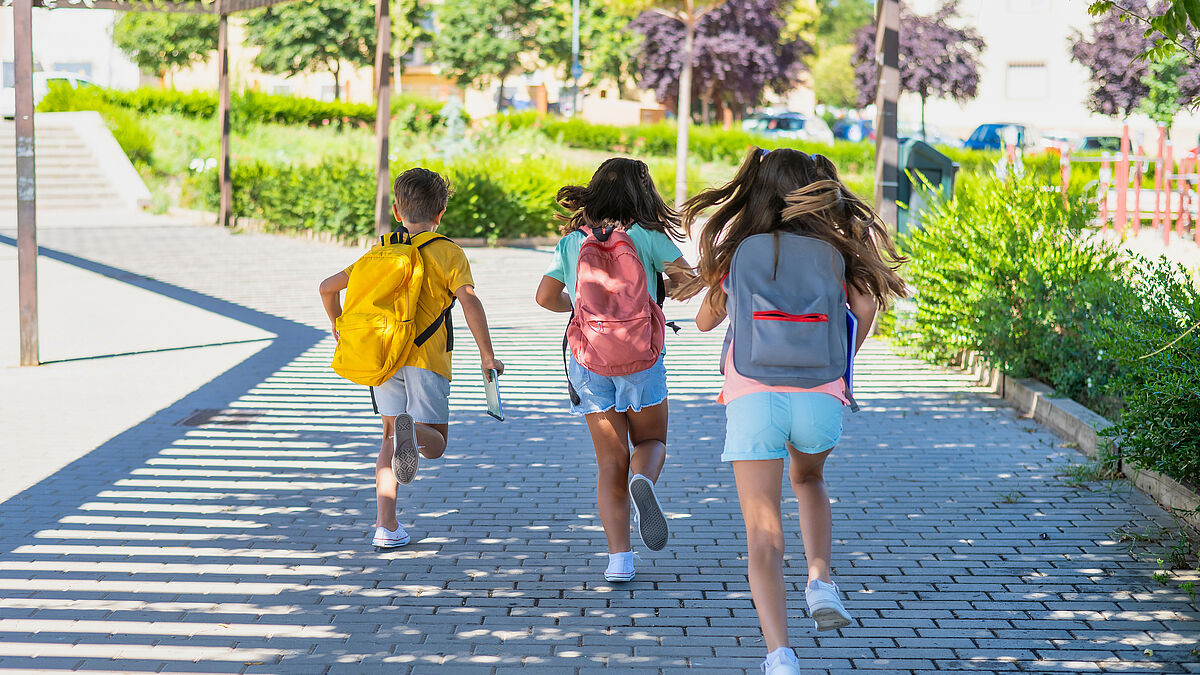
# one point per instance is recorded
(648, 514)
(620, 567)
(825, 605)
(782, 661)
(385, 538)
(404, 449)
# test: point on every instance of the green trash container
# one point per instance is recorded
(918, 158)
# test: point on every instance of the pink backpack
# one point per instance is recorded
(615, 327)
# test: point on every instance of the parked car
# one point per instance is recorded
(789, 125)
(41, 85)
(849, 129)
(991, 136)
(1107, 143)
(932, 135)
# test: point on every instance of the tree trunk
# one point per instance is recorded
(924, 136)
(500, 93)
(337, 80)
(684, 108)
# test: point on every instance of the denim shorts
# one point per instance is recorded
(600, 393)
(421, 393)
(761, 425)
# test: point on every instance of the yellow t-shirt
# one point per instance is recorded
(446, 271)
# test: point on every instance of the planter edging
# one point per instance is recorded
(1070, 420)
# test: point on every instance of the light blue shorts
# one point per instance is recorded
(761, 425)
(421, 393)
(598, 393)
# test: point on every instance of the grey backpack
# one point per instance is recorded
(787, 308)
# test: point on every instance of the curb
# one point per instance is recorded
(260, 226)
(1073, 422)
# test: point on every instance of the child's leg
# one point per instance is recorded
(759, 487)
(431, 439)
(648, 434)
(816, 520)
(610, 433)
(385, 479)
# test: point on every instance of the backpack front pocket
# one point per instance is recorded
(365, 341)
(616, 347)
(790, 331)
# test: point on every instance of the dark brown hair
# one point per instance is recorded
(621, 192)
(421, 194)
(787, 190)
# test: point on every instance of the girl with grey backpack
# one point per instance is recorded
(800, 266)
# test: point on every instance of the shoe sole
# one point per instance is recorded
(618, 578)
(404, 451)
(652, 524)
(829, 618)
(393, 544)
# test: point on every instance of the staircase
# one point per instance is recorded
(79, 164)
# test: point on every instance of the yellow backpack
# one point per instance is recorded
(377, 329)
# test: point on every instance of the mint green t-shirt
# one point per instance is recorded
(655, 250)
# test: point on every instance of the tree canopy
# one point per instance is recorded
(314, 35)
(739, 54)
(160, 41)
(484, 40)
(937, 59)
(1175, 26)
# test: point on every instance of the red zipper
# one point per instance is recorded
(776, 315)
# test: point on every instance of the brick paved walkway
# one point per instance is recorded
(237, 542)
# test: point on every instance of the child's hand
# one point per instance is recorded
(333, 329)
(493, 364)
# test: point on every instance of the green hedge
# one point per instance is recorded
(1006, 269)
(416, 113)
(126, 127)
(493, 197)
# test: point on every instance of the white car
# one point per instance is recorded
(41, 85)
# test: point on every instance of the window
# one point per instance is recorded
(1028, 5)
(1027, 81)
(83, 68)
(9, 74)
(281, 89)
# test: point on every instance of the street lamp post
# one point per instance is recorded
(576, 69)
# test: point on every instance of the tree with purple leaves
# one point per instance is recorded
(937, 60)
(739, 54)
(1122, 80)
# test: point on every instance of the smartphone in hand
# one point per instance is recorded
(491, 389)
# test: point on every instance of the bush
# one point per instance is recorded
(1154, 338)
(1006, 269)
(417, 113)
(126, 128)
(493, 198)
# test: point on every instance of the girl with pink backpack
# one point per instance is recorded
(799, 265)
(618, 240)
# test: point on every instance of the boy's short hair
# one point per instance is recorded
(421, 194)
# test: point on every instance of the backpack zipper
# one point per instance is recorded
(777, 315)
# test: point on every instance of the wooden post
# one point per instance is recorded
(683, 109)
(1137, 192)
(1122, 183)
(1160, 166)
(1064, 168)
(383, 115)
(887, 71)
(1105, 179)
(223, 169)
(27, 248)
(1168, 169)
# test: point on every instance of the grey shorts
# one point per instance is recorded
(421, 393)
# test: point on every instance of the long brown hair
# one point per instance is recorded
(621, 192)
(787, 190)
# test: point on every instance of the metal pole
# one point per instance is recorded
(27, 248)
(887, 146)
(383, 114)
(576, 69)
(684, 106)
(223, 169)
(1122, 183)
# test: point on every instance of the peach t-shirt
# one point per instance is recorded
(737, 385)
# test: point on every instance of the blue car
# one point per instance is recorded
(991, 136)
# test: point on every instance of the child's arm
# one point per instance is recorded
(864, 308)
(331, 297)
(552, 294)
(708, 317)
(477, 322)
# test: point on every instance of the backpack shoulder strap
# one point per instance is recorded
(423, 239)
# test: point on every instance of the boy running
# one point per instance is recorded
(414, 404)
